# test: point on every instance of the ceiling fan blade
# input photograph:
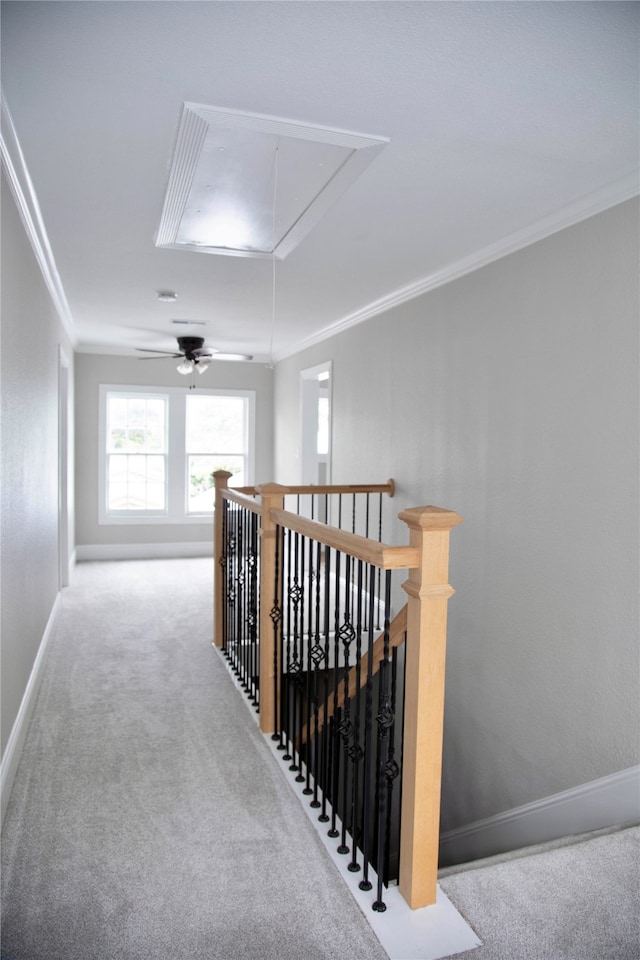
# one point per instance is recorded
(232, 356)
(166, 353)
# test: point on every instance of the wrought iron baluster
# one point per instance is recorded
(242, 640)
(392, 768)
(325, 737)
(316, 657)
(335, 744)
(309, 677)
(347, 636)
(365, 883)
(379, 541)
(356, 751)
(222, 572)
(385, 722)
(254, 608)
(298, 682)
(278, 640)
(287, 642)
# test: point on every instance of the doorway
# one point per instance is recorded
(315, 390)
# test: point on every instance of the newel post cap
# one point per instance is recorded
(430, 518)
(221, 477)
(271, 489)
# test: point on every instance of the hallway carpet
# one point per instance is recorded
(148, 820)
(572, 899)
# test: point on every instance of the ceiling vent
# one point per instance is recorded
(253, 186)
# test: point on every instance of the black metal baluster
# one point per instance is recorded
(254, 611)
(241, 602)
(385, 722)
(287, 643)
(379, 541)
(298, 711)
(309, 677)
(365, 883)
(317, 656)
(334, 743)
(326, 742)
(347, 635)
(356, 749)
(222, 572)
(231, 588)
(392, 769)
(278, 651)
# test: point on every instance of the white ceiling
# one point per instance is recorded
(505, 120)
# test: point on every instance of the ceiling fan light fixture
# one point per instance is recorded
(201, 367)
(185, 367)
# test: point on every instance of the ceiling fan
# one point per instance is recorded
(193, 355)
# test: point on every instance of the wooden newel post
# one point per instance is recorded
(221, 479)
(428, 592)
(272, 498)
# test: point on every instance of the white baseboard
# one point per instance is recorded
(143, 551)
(15, 743)
(607, 802)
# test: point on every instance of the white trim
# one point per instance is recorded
(607, 802)
(144, 551)
(29, 208)
(594, 203)
(15, 743)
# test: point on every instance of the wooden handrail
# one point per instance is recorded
(235, 495)
(388, 488)
(378, 554)
(397, 635)
(327, 488)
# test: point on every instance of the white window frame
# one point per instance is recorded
(177, 458)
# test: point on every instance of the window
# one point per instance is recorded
(136, 453)
(159, 447)
(216, 440)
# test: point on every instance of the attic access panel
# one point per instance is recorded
(253, 186)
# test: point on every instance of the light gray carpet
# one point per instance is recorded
(578, 899)
(148, 820)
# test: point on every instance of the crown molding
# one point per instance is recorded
(624, 189)
(27, 202)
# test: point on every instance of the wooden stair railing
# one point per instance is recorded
(397, 635)
(426, 558)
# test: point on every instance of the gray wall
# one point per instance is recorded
(511, 396)
(31, 335)
(93, 369)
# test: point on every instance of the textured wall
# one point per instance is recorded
(511, 396)
(31, 335)
(94, 369)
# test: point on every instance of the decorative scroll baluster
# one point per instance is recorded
(384, 720)
(365, 883)
(345, 729)
(325, 739)
(253, 615)
(286, 651)
(356, 752)
(317, 656)
(275, 615)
